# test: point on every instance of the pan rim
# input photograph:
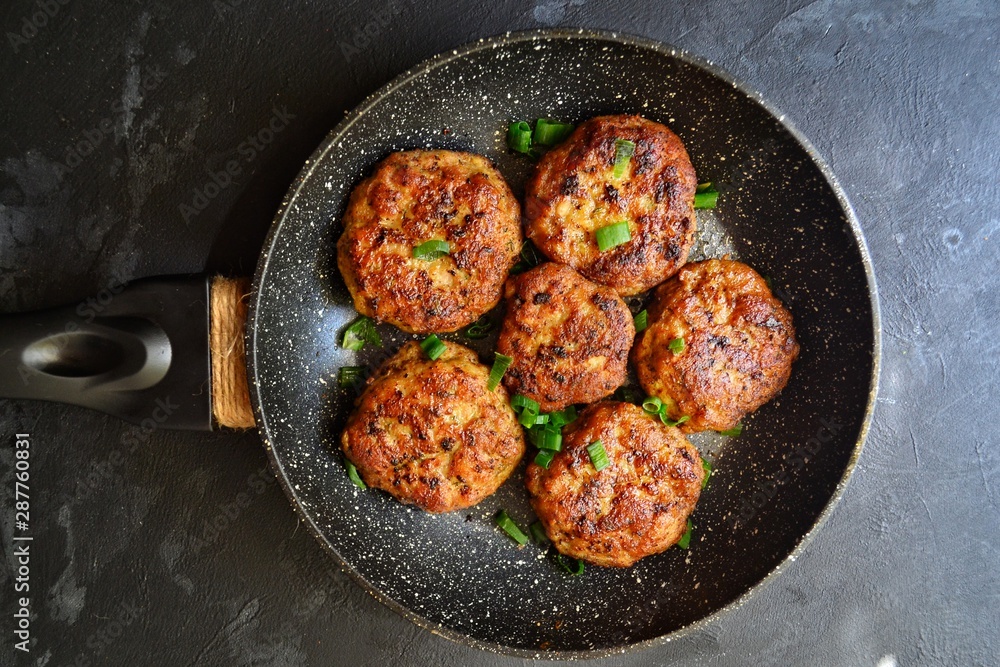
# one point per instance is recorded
(443, 58)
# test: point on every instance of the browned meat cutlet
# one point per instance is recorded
(417, 196)
(635, 507)
(573, 192)
(739, 345)
(430, 433)
(568, 337)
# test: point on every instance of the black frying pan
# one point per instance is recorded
(781, 211)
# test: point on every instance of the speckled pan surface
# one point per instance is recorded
(780, 211)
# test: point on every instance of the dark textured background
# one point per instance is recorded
(179, 548)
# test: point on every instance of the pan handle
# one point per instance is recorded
(143, 354)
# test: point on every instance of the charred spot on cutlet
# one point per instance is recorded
(570, 184)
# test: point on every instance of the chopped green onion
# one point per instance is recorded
(352, 473)
(527, 417)
(432, 347)
(509, 527)
(521, 402)
(613, 235)
(349, 375)
(550, 440)
(530, 258)
(500, 365)
(562, 417)
(652, 405)
(541, 418)
(703, 186)
(623, 153)
(676, 345)
(538, 535)
(571, 565)
(598, 457)
(519, 137)
(705, 196)
(685, 541)
(641, 321)
(671, 422)
(544, 457)
(706, 465)
(361, 331)
(431, 250)
(480, 328)
(734, 431)
(704, 200)
(551, 132)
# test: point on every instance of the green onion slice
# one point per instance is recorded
(551, 132)
(541, 418)
(508, 526)
(500, 365)
(613, 235)
(652, 405)
(521, 402)
(538, 535)
(706, 465)
(479, 329)
(706, 196)
(676, 345)
(349, 375)
(431, 250)
(432, 347)
(672, 422)
(544, 457)
(598, 457)
(562, 417)
(623, 153)
(549, 439)
(361, 331)
(734, 431)
(519, 137)
(641, 321)
(571, 565)
(352, 473)
(685, 541)
(527, 417)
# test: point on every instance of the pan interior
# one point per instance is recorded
(457, 574)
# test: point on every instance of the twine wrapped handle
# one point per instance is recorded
(230, 393)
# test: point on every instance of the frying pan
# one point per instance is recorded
(781, 211)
